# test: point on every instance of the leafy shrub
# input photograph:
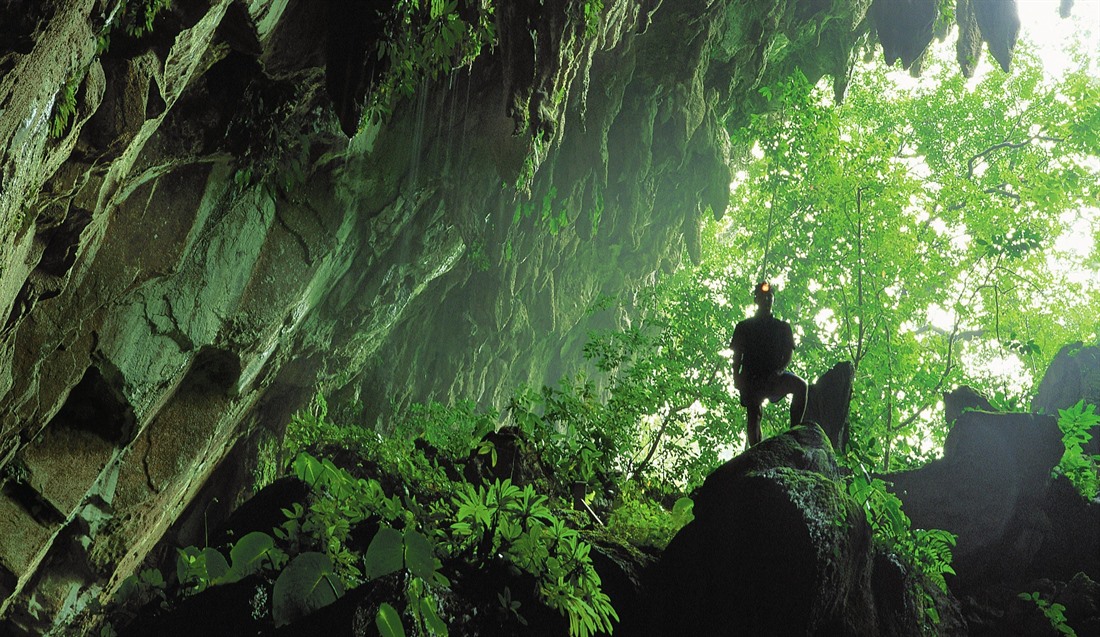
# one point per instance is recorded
(518, 523)
(643, 522)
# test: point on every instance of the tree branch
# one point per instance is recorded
(1003, 191)
(673, 414)
(972, 163)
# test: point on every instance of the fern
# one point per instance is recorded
(1083, 470)
(929, 550)
(64, 108)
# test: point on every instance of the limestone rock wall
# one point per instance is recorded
(199, 246)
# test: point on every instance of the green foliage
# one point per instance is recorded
(550, 214)
(250, 554)
(392, 550)
(134, 17)
(915, 231)
(1055, 613)
(389, 622)
(1082, 469)
(64, 107)
(643, 522)
(510, 607)
(425, 40)
(670, 417)
(312, 429)
(140, 588)
(928, 550)
(592, 12)
(451, 429)
(389, 552)
(197, 569)
(564, 424)
(462, 520)
(517, 523)
(479, 256)
(138, 15)
(306, 584)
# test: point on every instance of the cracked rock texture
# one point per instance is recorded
(201, 245)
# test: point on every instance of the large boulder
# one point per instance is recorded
(1073, 375)
(993, 488)
(778, 548)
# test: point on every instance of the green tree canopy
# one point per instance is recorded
(931, 235)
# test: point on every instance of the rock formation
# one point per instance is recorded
(828, 403)
(778, 548)
(1073, 375)
(1020, 529)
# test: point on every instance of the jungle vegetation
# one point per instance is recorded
(934, 235)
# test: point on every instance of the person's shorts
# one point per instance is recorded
(757, 388)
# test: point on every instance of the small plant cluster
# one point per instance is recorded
(133, 18)
(424, 39)
(593, 9)
(1082, 469)
(1054, 612)
(552, 220)
(64, 107)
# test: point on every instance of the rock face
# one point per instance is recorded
(777, 548)
(191, 244)
(988, 488)
(198, 245)
(961, 399)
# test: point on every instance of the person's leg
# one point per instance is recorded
(752, 430)
(798, 390)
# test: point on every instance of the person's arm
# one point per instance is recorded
(738, 358)
(788, 350)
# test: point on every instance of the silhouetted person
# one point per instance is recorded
(762, 348)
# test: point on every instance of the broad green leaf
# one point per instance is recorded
(385, 554)
(307, 468)
(305, 585)
(388, 621)
(248, 555)
(419, 555)
(216, 566)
